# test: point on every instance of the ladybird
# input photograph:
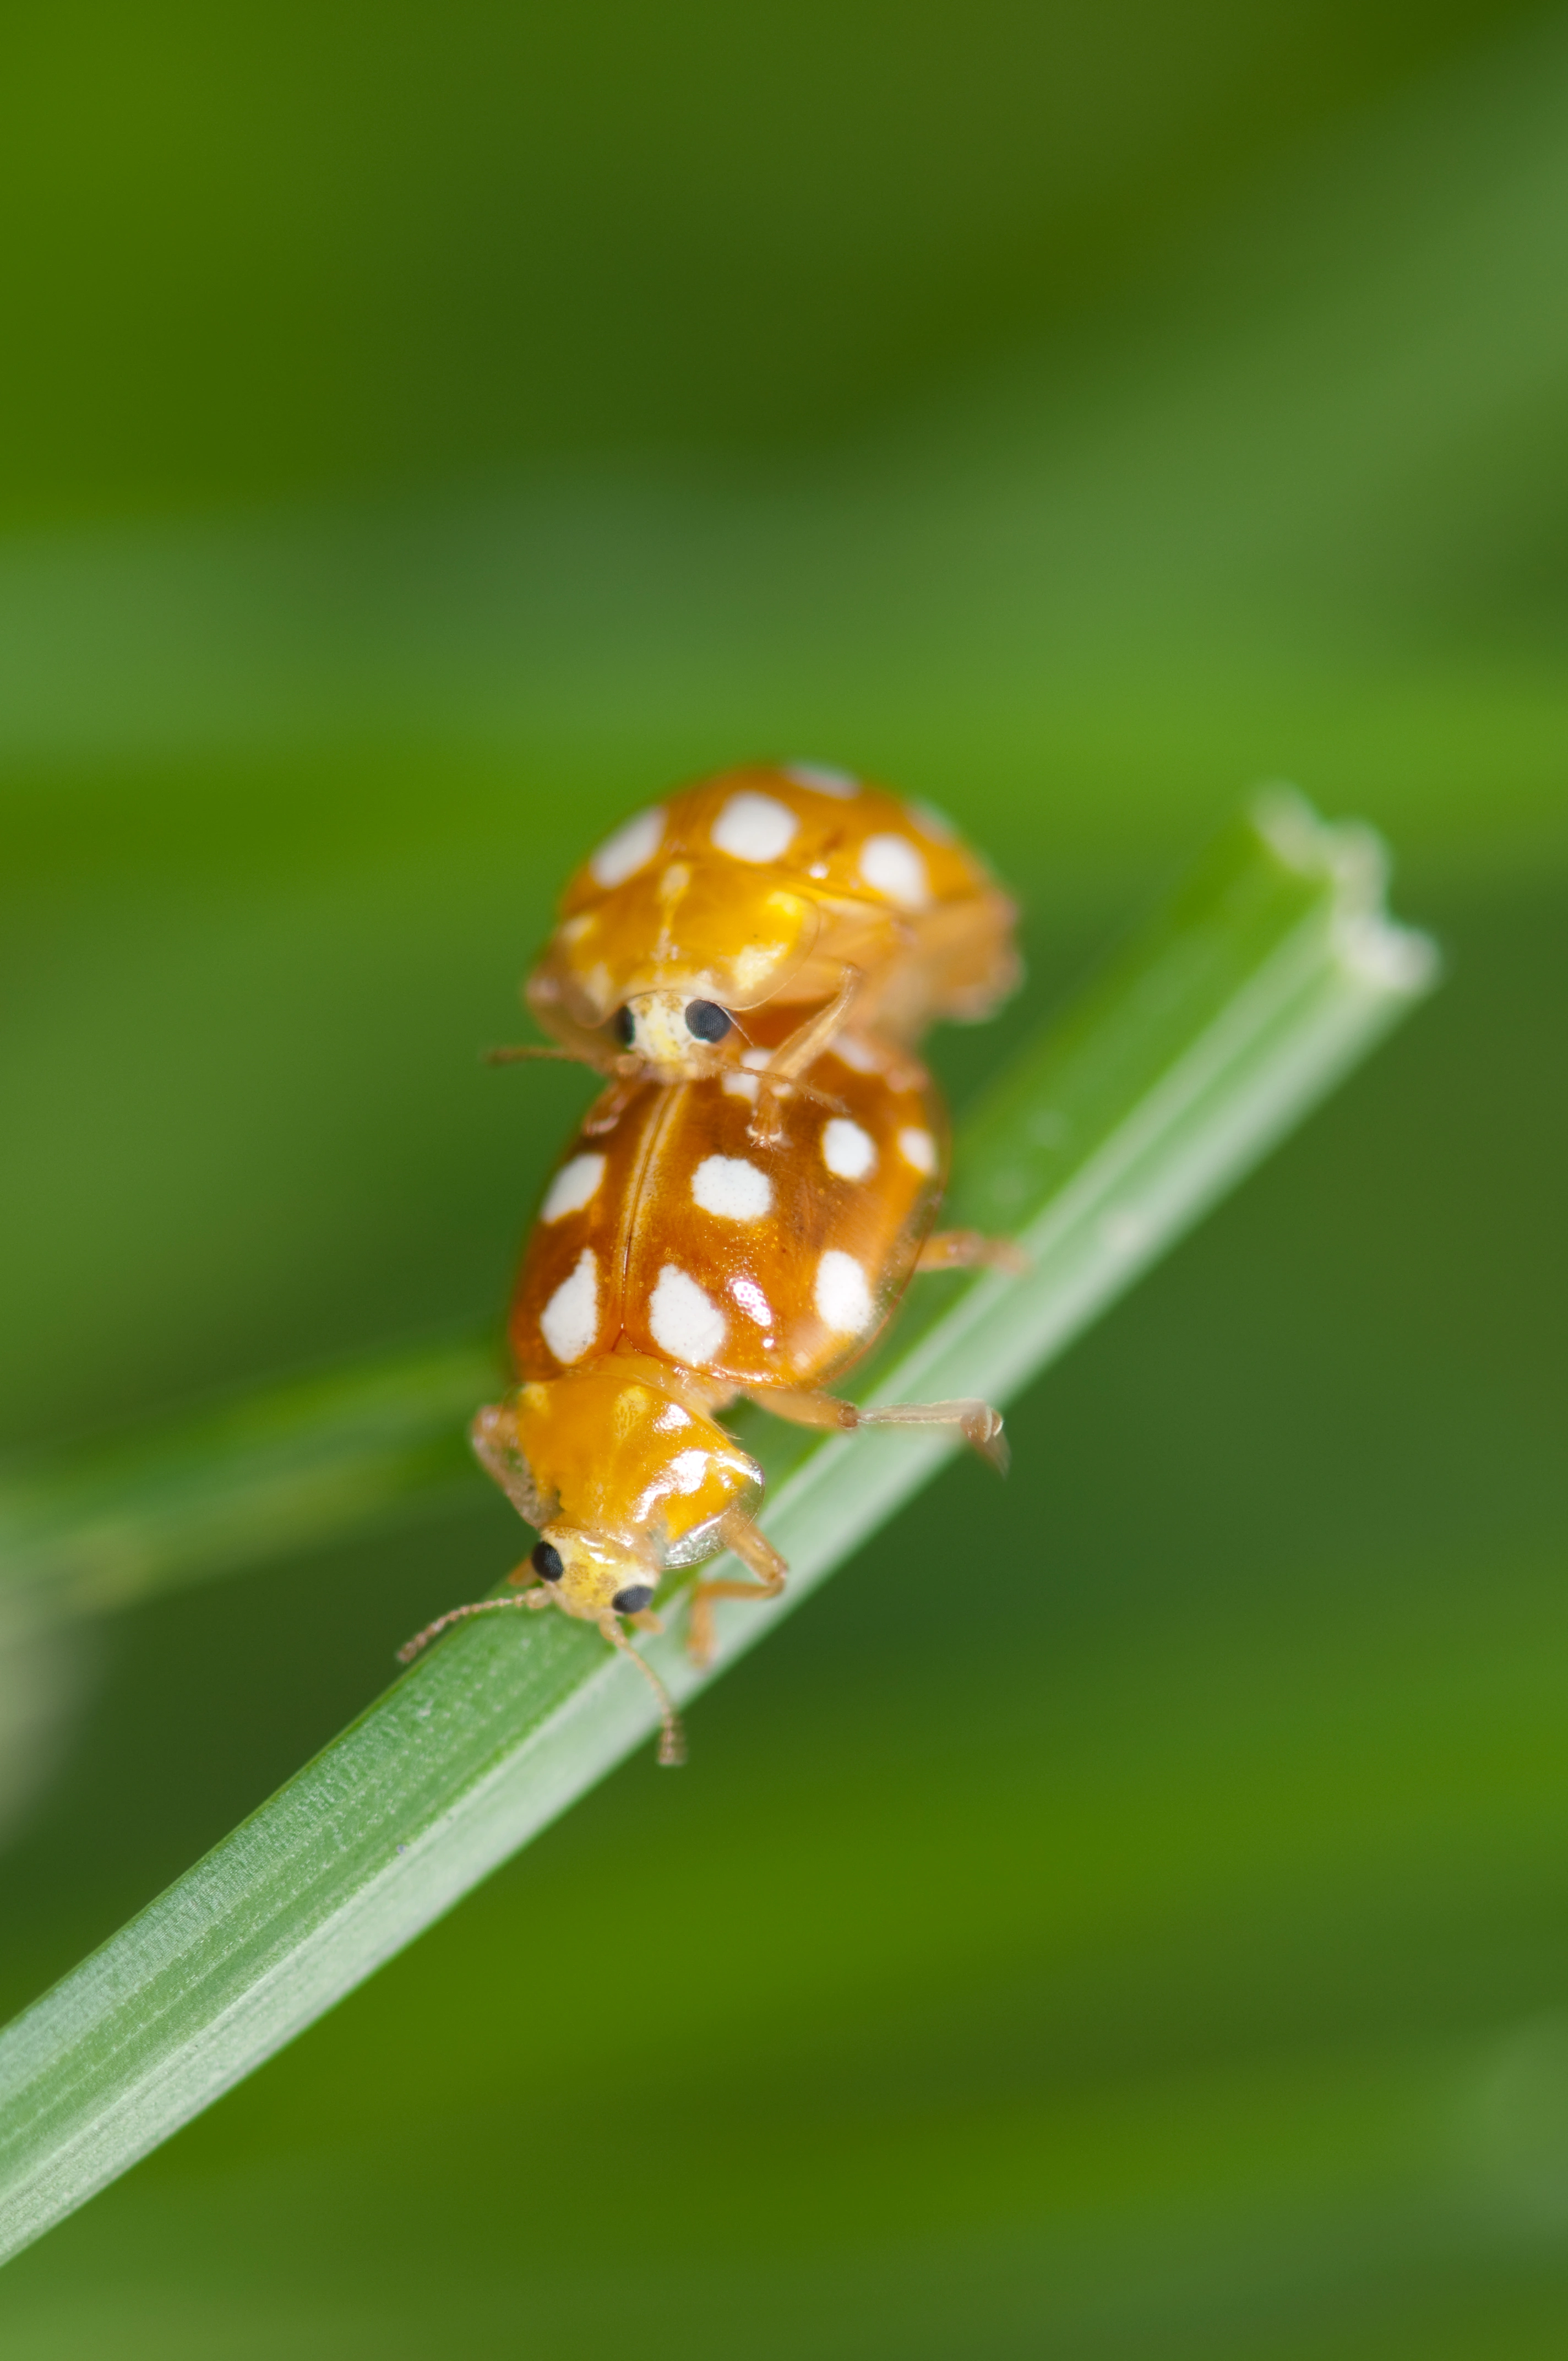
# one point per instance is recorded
(676, 1267)
(785, 885)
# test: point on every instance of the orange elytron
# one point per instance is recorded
(676, 1265)
(790, 886)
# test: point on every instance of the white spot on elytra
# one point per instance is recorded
(848, 1152)
(823, 779)
(728, 1186)
(686, 1323)
(572, 930)
(854, 1054)
(753, 966)
(933, 823)
(570, 1321)
(891, 865)
(742, 1086)
(574, 1186)
(754, 827)
(917, 1148)
(842, 1297)
(749, 1297)
(631, 847)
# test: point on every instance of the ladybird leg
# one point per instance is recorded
(607, 1113)
(803, 1407)
(980, 1424)
(823, 1099)
(801, 1047)
(757, 1553)
(794, 1054)
(971, 1250)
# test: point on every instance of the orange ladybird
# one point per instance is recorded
(676, 1265)
(792, 886)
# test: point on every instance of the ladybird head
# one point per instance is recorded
(591, 1575)
(675, 1034)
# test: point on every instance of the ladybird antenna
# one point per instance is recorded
(672, 1731)
(422, 1639)
(513, 1053)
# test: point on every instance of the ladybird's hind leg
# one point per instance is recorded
(757, 1553)
(979, 1423)
(971, 1250)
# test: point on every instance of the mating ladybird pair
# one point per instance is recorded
(743, 1206)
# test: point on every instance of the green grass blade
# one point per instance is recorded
(280, 1469)
(289, 1466)
(1222, 1021)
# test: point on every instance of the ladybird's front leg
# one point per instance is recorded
(800, 1049)
(607, 1111)
(522, 1576)
(766, 1127)
(971, 1250)
(757, 1553)
(796, 1054)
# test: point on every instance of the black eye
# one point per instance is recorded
(633, 1599)
(547, 1560)
(623, 1025)
(705, 1021)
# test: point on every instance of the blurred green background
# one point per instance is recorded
(425, 432)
